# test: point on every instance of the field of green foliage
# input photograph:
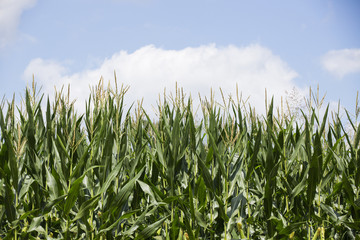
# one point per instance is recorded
(113, 172)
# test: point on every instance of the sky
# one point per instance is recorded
(277, 45)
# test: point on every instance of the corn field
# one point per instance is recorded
(114, 173)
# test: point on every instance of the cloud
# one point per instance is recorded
(10, 13)
(150, 69)
(342, 62)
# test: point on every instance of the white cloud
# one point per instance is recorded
(150, 69)
(10, 13)
(342, 62)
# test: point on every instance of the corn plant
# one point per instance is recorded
(225, 172)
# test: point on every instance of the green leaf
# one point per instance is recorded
(111, 177)
(72, 195)
(35, 225)
(52, 185)
(254, 155)
(86, 207)
(126, 190)
(47, 208)
(124, 216)
(330, 211)
(291, 228)
(147, 189)
(9, 203)
(151, 229)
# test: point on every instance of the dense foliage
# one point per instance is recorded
(225, 175)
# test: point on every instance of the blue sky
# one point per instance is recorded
(151, 44)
